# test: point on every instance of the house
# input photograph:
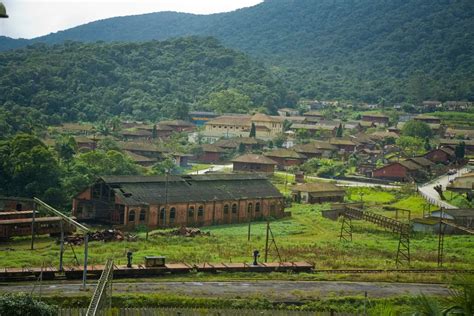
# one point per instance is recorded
(343, 144)
(457, 105)
(431, 105)
(402, 171)
(429, 225)
(462, 217)
(383, 136)
(462, 184)
(211, 153)
(319, 129)
(285, 157)
(317, 193)
(378, 119)
(253, 163)
(436, 128)
(160, 131)
(428, 119)
(77, 129)
(316, 149)
(136, 135)
(184, 200)
(314, 114)
(228, 126)
(444, 155)
(140, 160)
(10, 203)
(288, 112)
(425, 163)
(370, 156)
(85, 143)
(248, 143)
(469, 144)
(149, 150)
(459, 133)
(178, 125)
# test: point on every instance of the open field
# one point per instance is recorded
(305, 236)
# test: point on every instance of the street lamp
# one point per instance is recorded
(3, 11)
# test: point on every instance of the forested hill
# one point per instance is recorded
(146, 81)
(349, 49)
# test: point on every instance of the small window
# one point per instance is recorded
(191, 211)
(257, 207)
(201, 211)
(131, 216)
(226, 209)
(234, 208)
(172, 215)
(142, 215)
(250, 208)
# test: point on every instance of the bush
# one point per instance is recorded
(24, 305)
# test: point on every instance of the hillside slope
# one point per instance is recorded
(352, 49)
(146, 81)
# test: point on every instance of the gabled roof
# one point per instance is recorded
(240, 120)
(379, 115)
(139, 132)
(157, 190)
(284, 153)
(410, 165)
(422, 161)
(212, 148)
(260, 117)
(135, 146)
(317, 187)
(235, 142)
(253, 158)
(138, 158)
(342, 141)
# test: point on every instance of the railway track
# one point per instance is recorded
(139, 271)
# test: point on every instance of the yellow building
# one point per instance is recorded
(228, 126)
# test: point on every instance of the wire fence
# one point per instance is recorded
(195, 312)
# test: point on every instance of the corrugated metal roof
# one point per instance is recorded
(136, 190)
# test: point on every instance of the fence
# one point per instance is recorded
(197, 312)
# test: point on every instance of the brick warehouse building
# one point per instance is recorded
(191, 200)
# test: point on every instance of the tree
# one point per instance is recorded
(28, 167)
(416, 128)
(166, 166)
(66, 147)
(339, 131)
(410, 146)
(241, 148)
(460, 150)
(427, 145)
(230, 100)
(253, 131)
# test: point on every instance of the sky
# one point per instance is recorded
(32, 18)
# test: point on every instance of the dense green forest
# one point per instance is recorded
(145, 81)
(344, 49)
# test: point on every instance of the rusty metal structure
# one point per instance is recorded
(346, 229)
(103, 292)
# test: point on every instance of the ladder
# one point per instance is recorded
(100, 292)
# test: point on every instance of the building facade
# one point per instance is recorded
(189, 200)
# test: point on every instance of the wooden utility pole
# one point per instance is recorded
(266, 240)
(33, 229)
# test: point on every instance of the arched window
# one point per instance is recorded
(226, 209)
(201, 211)
(172, 215)
(257, 207)
(249, 208)
(131, 216)
(142, 215)
(234, 208)
(191, 211)
(163, 215)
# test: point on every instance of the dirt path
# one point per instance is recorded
(272, 290)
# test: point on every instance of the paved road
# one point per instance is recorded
(428, 192)
(273, 290)
(213, 168)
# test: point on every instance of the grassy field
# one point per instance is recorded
(305, 236)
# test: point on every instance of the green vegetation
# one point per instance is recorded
(305, 236)
(24, 305)
(145, 81)
(417, 129)
(370, 50)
